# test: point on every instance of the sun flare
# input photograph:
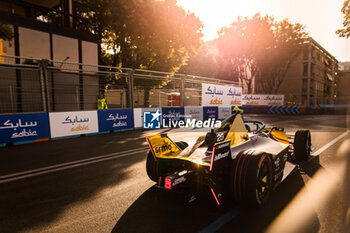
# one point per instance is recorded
(219, 13)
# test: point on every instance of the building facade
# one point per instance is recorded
(344, 66)
(343, 84)
(47, 29)
(50, 30)
(312, 77)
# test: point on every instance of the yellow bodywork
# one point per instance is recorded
(238, 133)
(163, 147)
(279, 136)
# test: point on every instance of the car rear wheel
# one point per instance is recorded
(154, 166)
(252, 176)
(302, 145)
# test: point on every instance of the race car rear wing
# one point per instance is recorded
(162, 146)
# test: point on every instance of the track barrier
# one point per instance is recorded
(36, 127)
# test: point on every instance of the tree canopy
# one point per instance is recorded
(345, 32)
(256, 51)
(146, 34)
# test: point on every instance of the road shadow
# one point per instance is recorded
(38, 201)
(159, 210)
(259, 219)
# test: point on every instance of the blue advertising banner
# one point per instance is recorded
(24, 127)
(116, 119)
(173, 114)
(210, 113)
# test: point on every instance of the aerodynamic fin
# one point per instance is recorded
(238, 134)
(162, 146)
(221, 155)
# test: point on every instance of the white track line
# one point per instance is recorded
(64, 166)
(329, 144)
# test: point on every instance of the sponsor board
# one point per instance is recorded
(224, 112)
(262, 99)
(117, 119)
(194, 113)
(138, 117)
(210, 113)
(73, 123)
(219, 95)
(233, 96)
(24, 127)
(173, 114)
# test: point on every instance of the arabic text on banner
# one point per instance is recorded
(73, 123)
(116, 119)
(218, 95)
(255, 99)
(24, 127)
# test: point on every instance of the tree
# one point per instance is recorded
(288, 44)
(345, 32)
(243, 45)
(146, 34)
(204, 63)
(260, 51)
(143, 34)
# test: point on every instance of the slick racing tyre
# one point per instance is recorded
(154, 166)
(302, 145)
(252, 177)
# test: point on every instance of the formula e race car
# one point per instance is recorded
(240, 161)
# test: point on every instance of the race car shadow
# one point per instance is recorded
(159, 210)
(259, 219)
(312, 166)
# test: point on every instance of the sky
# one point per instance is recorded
(320, 17)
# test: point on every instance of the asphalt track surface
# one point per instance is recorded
(99, 184)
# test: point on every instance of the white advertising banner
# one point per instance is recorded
(194, 113)
(138, 117)
(224, 112)
(262, 99)
(218, 95)
(73, 123)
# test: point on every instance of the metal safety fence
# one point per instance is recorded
(39, 85)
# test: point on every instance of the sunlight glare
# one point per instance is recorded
(219, 13)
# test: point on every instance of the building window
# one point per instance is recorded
(305, 68)
(305, 54)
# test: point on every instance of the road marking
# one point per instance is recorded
(217, 224)
(64, 166)
(329, 144)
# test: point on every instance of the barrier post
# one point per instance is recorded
(182, 90)
(44, 84)
(131, 88)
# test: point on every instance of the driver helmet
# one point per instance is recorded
(238, 109)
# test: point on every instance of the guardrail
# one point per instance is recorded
(36, 127)
(30, 85)
(24, 128)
